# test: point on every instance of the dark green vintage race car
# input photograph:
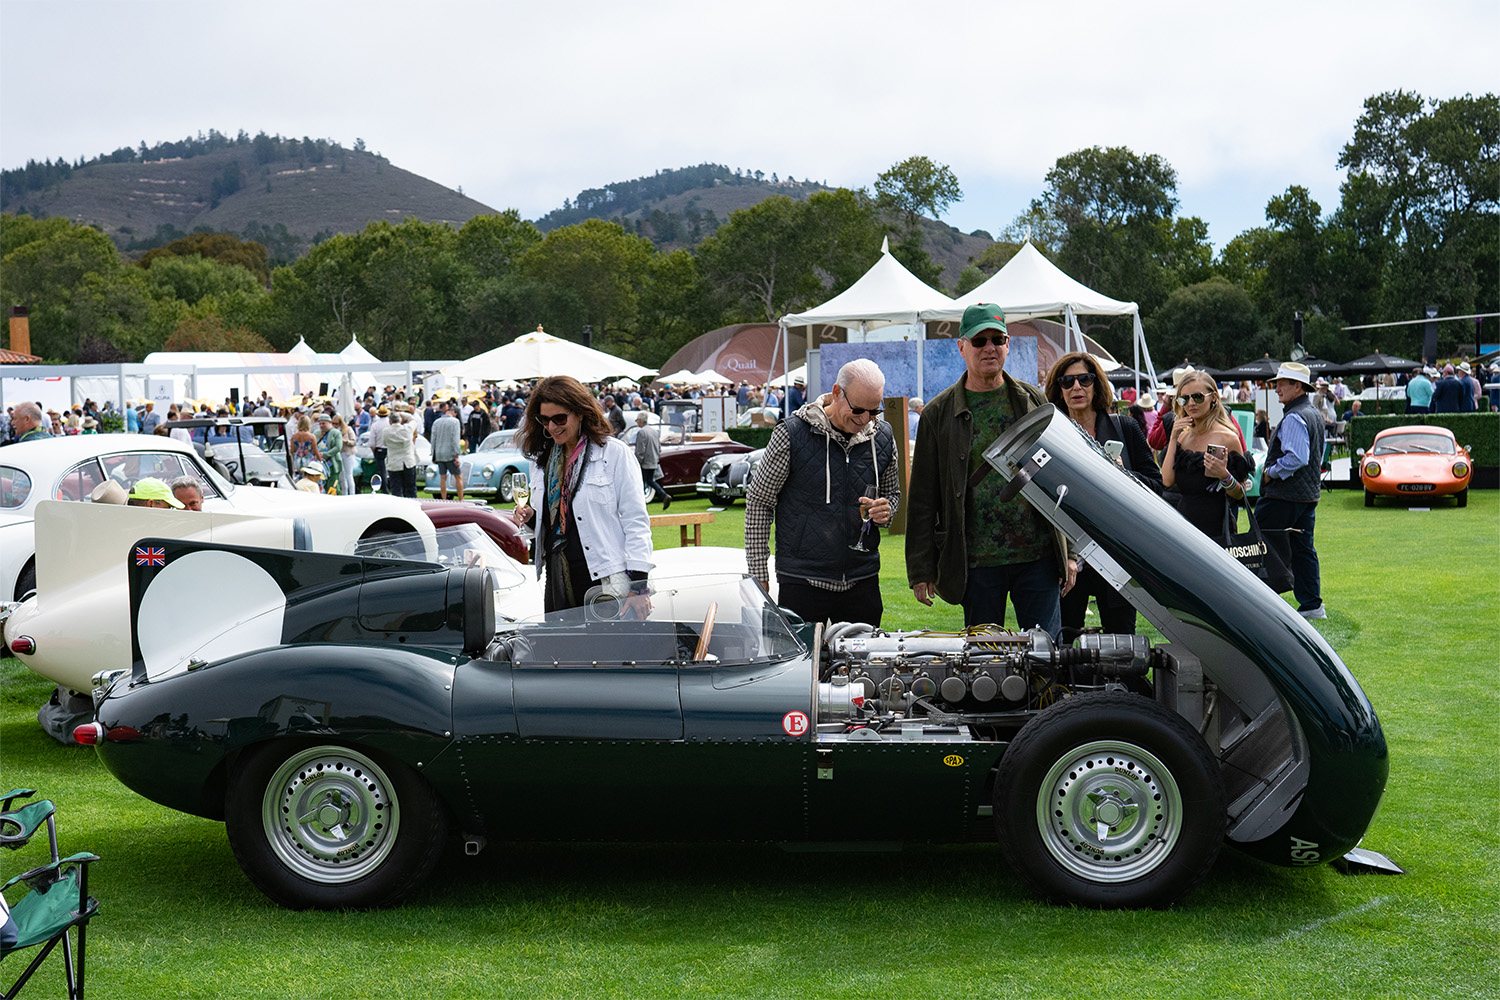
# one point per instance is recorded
(362, 709)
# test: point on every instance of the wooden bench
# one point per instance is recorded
(697, 520)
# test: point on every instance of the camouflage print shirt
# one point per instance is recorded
(999, 534)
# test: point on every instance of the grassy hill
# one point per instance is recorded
(288, 194)
(680, 208)
(133, 201)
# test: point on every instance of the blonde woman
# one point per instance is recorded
(1205, 459)
(304, 445)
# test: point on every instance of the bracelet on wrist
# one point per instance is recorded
(1228, 482)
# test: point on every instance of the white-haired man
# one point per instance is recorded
(812, 480)
(26, 423)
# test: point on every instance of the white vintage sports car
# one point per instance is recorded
(68, 468)
(85, 552)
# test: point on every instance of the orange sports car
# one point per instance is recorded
(1419, 460)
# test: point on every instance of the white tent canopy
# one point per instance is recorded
(1030, 286)
(887, 293)
(708, 375)
(683, 377)
(884, 295)
(539, 354)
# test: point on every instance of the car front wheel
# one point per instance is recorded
(503, 490)
(1369, 499)
(328, 827)
(1110, 800)
(1462, 497)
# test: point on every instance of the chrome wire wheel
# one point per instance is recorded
(330, 815)
(1109, 811)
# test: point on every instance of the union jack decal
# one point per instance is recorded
(150, 555)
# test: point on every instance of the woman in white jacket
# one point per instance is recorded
(592, 528)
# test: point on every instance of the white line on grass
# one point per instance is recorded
(1362, 907)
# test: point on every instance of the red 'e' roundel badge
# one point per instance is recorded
(795, 723)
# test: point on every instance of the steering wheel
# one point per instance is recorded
(707, 633)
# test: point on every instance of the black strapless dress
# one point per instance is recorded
(1202, 506)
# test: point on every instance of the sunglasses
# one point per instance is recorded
(556, 420)
(860, 411)
(1068, 381)
(1196, 397)
(981, 342)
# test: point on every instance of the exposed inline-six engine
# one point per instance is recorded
(980, 676)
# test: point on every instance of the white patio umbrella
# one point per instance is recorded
(683, 377)
(539, 354)
(345, 404)
(709, 375)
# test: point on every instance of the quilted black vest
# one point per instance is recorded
(817, 512)
(1305, 484)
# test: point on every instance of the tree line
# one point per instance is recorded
(1416, 225)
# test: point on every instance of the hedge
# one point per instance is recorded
(1479, 431)
(755, 437)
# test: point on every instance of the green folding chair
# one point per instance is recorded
(18, 826)
(59, 899)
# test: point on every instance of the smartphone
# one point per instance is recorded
(1114, 448)
(1217, 450)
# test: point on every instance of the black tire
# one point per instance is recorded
(1369, 499)
(369, 832)
(1094, 758)
(503, 492)
(1462, 497)
(724, 498)
(26, 582)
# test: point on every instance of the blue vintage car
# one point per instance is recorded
(486, 470)
(365, 707)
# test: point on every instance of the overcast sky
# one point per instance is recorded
(525, 104)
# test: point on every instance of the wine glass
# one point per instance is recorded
(871, 490)
(520, 491)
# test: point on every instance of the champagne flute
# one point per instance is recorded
(871, 490)
(520, 491)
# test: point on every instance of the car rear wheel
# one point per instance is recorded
(1462, 497)
(328, 827)
(1369, 499)
(1110, 800)
(26, 582)
(503, 491)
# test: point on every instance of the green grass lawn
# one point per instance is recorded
(1414, 608)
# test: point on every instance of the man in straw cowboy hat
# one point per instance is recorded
(1293, 480)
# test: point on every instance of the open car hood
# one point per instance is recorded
(1305, 734)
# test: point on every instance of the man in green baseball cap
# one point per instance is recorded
(963, 543)
(152, 492)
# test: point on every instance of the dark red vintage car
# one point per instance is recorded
(495, 523)
(681, 464)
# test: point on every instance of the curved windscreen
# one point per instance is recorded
(703, 619)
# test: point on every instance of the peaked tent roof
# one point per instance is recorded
(355, 353)
(885, 294)
(539, 354)
(1031, 286)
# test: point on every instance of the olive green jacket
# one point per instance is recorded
(936, 550)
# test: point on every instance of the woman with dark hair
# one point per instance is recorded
(593, 529)
(1076, 385)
